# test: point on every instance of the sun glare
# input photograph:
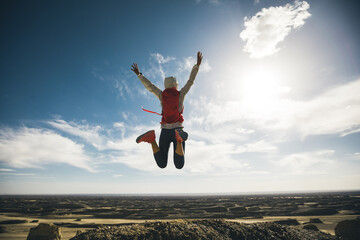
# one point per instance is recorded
(262, 90)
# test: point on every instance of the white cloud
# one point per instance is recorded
(89, 133)
(31, 148)
(187, 64)
(244, 131)
(158, 70)
(226, 129)
(205, 67)
(125, 115)
(259, 146)
(356, 156)
(307, 162)
(130, 116)
(6, 170)
(118, 82)
(351, 131)
(220, 133)
(202, 157)
(101, 138)
(212, 158)
(19, 174)
(160, 59)
(124, 149)
(237, 120)
(25, 174)
(212, 2)
(335, 111)
(122, 87)
(138, 156)
(161, 67)
(264, 31)
(120, 125)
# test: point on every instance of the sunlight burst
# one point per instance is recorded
(262, 90)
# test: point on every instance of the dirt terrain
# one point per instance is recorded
(73, 213)
(203, 229)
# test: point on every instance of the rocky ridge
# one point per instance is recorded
(202, 229)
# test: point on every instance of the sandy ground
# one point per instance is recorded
(328, 225)
(20, 231)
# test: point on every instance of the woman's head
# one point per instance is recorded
(170, 82)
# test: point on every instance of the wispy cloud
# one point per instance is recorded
(122, 87)
(158, 69)
(89, 133)
(6, 170)
(212, 2)
(356, 156)
(307, 162)
(264, 31)
(204, 155)
(259, 146)
(351, 131)
(212, 159)
(32, 148)
(234, 122)
(335, 111)
(99, 136)
(160, 59)
(223, 132)
(161, 67)
(19, 174)
(118, 81)
(123, 150)
(187, 63)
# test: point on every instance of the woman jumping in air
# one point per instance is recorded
(172, 102)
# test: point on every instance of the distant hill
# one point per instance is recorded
(202, 229)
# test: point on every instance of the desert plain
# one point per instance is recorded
(74, 213)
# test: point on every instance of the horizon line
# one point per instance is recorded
(190, 194)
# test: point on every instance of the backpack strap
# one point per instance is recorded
(150, 111)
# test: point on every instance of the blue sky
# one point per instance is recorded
(275, 105)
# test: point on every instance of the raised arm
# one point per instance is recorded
(146, 82)
(193, 74)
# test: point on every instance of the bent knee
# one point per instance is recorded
(160, 161)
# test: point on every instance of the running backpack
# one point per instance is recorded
(170, 106)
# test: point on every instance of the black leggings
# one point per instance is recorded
(161, 157)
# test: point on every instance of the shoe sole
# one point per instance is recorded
(138, 139)
(183, 135)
